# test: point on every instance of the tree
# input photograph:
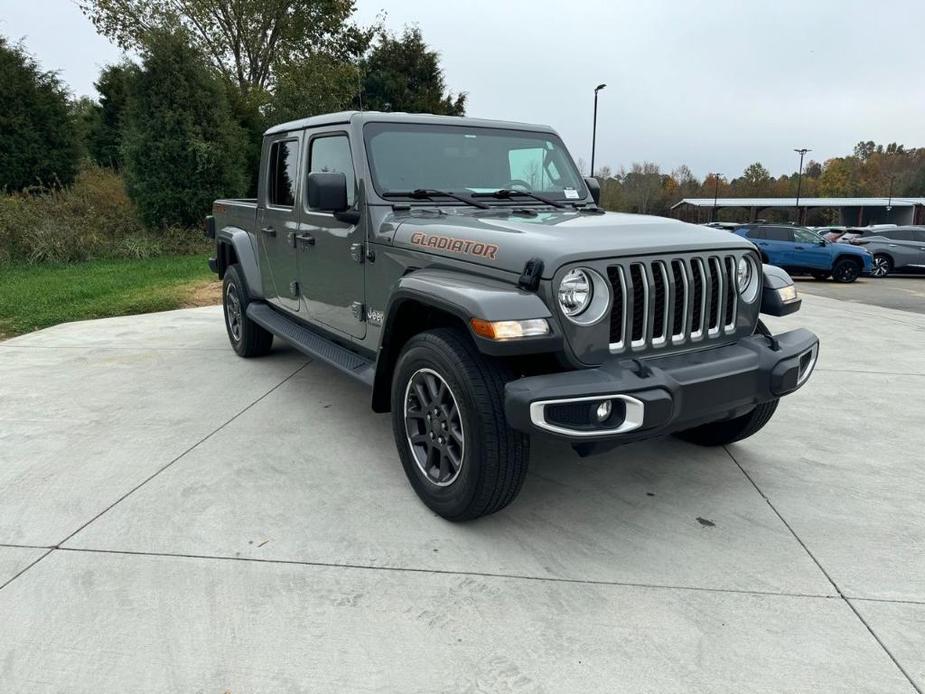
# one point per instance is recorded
(38, 139)
(755, 181)
(642, 186)
(246, 40)
(403, 74)
(181, 146)
(114, 86)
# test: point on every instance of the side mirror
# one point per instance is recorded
(823, 242)
(779, 296)
(327, 192)
(594, 187)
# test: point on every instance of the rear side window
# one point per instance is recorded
(919, 236)
(778, 234)
(332, 154)
(899, 235)
(284, 168)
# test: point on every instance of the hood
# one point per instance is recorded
(499, 239)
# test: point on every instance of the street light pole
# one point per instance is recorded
(802, 153)
(715, 176)
(889, 202)
(594, 128)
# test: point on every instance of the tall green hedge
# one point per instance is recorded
(38, 139)
(182, 149)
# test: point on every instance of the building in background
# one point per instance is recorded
(851, 211)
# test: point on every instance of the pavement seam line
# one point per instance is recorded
(26, 568)
(182, 455)
(446, 572)
(824, 572)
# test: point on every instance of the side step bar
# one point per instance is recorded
(312, 343)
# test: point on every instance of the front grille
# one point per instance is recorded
(671, 301)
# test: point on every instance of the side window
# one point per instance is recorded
(899, 235)
(284, 168)
(332, 155)
(779, 234)
(757, 233)
(805, 236)
(919, 236)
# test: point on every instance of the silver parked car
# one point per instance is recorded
(900, 248)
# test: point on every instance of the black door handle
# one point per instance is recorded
(269, 231)
(307, 239)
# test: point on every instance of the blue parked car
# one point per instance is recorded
(800, 250)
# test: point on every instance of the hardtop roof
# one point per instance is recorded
(393, 117)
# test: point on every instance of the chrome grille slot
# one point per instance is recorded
(672, 301)
(639, 289)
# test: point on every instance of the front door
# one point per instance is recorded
(808, 253)
(278, 220)
(332, 259)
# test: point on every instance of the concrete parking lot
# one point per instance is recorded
(903, 292)
(176, 519)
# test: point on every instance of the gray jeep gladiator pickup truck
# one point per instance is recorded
(463, 270)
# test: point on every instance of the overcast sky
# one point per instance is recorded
(716, 84)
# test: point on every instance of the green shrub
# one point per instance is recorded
(38, 138)
(181, 146)
(92, 219)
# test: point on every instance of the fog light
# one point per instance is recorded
(603, 410)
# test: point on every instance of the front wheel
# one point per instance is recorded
(883, 266)
(846, 271)
(730, 430)
(458, 452)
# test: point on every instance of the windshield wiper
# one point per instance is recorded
(431, 193)
(507, 194)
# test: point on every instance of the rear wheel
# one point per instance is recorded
(458, 452)
(730, 430)
(247, 338)
(883, 265)
(846, 271)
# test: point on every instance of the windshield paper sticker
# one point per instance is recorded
(570, 194)
(462, 246)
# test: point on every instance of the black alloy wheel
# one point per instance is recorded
(846, 271)
(433, 427)
(233, 313)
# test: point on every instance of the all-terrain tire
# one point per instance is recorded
(247, 338)
(730, 430)
(494, 457)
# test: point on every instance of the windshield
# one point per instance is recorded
(404, 157)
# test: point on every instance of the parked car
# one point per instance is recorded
(728, 226)
(900, 248)
(832, 234)
(854, 234)
(800, 250)
(463, 272)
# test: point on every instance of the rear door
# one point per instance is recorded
(919, 238)
(778, 245)
(278, 219)
(332, 251)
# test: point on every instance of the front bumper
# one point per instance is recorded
(662, 395)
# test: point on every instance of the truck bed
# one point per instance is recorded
(235, 212)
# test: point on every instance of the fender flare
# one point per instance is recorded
(462, 297)
(243, 245)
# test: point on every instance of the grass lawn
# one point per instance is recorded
(36, 296)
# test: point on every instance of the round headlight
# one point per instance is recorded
(575, 292)
(743, 274)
